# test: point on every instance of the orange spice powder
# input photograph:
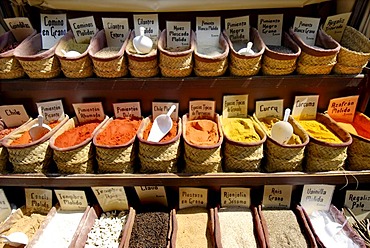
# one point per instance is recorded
(6, 131)
(170, 135)
(26, 138)
(76, 135)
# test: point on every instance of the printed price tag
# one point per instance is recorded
(305, 107)
(358, 201)
(72, 200)
(13, 115)
(343, 109)
(317, 197)
(152, 195)
(237, 28)
(277, 196)
(178, 35)
(21, 27)
(149, 22)
(272, 108)
(127, 109)
(306, 28)
(202, 110)
(270, 28)
(51, 111)
(192, 197)
(208, 31)
(235, 106)
(86, 112)
(53, 27)
(39, 200)
(111, 198)
(235, 197)
(159, 108)
(335, 25)
(116, 31)
(83, 28)
(5, 209)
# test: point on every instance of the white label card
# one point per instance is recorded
(343, 108)
(305, 107)
(270, 108)
(235, 197)
(21, 27)
(159, 108)
(39, 200)
(335, 25)
(83, 29)
(149, 22)
(13, 115)
(53, 27)
(71, 200)
(192, 197)
(237, 28)
(5, 209)
(208, 30)
(116, 31)
(111, 198)
(358, 201)
(51, 111)
(86, 112)
(152, 195)
(306, 28)
(270, 28)
(235, 106)
(277, 196)
(178, 35)
(317, 197)
(127, 109)
(202, 110)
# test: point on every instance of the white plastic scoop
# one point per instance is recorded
(70, 54)
(40, 129)
(247, 50)
(161, 126)
(15, 239)
(282, 131)
(142, 43)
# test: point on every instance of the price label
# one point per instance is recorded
(306, 28)
(13, 115)
(272, 108)
(235, 197)
(305, 107)
(235, 106)
(149, 22)
(270, 28)
(202, 110)
(317, 197)
(111, 198)
(277, 196)
(159, 108)
(71, 200)
(343, 109)
(53, 28)
(335, 25)
(208, 31)
(192, 197)
(237, 28)
(87, 112)
(116, 31)
(152, 195)
(178, 35)
(51, 111)
(83, 28)
(127, 109)
(39, 200)
(20, 27)
(5, 209)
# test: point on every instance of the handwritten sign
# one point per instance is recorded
(343, 109)
(192, 197)
(358, 201)
(20, 27)
(159, 108)
(52, 111)
(86, 112)
(5, 209)
(271, 108)
(235, 197)
(235, 106)
(335, 25)
(306, 28)
(208, 31)
(111, 198)
(116, 31)
(305, 107)
(83, 28)
(317, 197)
(13, 115)
(277, 196)
(237, 28)
(53, 27)
(39, 200)
(270, 28)
(127, 109)
(149, 22)
(71, 200)
(201, 110)
(178, 35)
(152, 195)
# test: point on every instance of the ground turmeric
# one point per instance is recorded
(319, 131)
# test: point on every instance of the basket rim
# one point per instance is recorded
(284, 56)
(68, 36)
(10, 53)
(35, 57)
(163, 40)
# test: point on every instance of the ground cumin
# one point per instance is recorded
(75, 135)
(26, 138)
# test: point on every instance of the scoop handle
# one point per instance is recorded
(142, 31)
(170, 111)
(286, 114)
(40, 120)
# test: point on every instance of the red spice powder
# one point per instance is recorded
(361, 131)
(76, 135)
(170, 135)
(26, 138)
(6, 131)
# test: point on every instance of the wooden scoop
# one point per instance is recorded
(161, 126)
(40, 129)
(15, 239)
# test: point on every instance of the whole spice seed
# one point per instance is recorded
(9, 47)
(107, 52)
(280, 49)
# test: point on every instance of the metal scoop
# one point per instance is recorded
(161, 126)
(142, 43)
(15, 239)
(282, 131)
(40, 129)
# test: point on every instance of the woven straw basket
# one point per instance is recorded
(78, 159)
(10, 67)
(175, 64)
(243, 156)
(203, 159)
(142, 65)
(249, 64)
(278, 63)
(115, 159)
(112, 65)
(354, 53)
(35, 63)
(314, 60)
(157, 157)
(285, 157)
(34, 157)
(76, 67)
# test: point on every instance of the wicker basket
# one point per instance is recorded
(277, 63)
(243, 156)
(314, 60)
(354, 53)
(206, 66)
(285, 157)
(142, 65)
(77, 159)
(34, 157)
(79, 66)
(175, 64)
(203, 159)
(246, 65)
(37, 64)
(158, 157)
(112, 66)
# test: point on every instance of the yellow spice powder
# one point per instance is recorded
(240, 129)
(319, 131)
(268, 122)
